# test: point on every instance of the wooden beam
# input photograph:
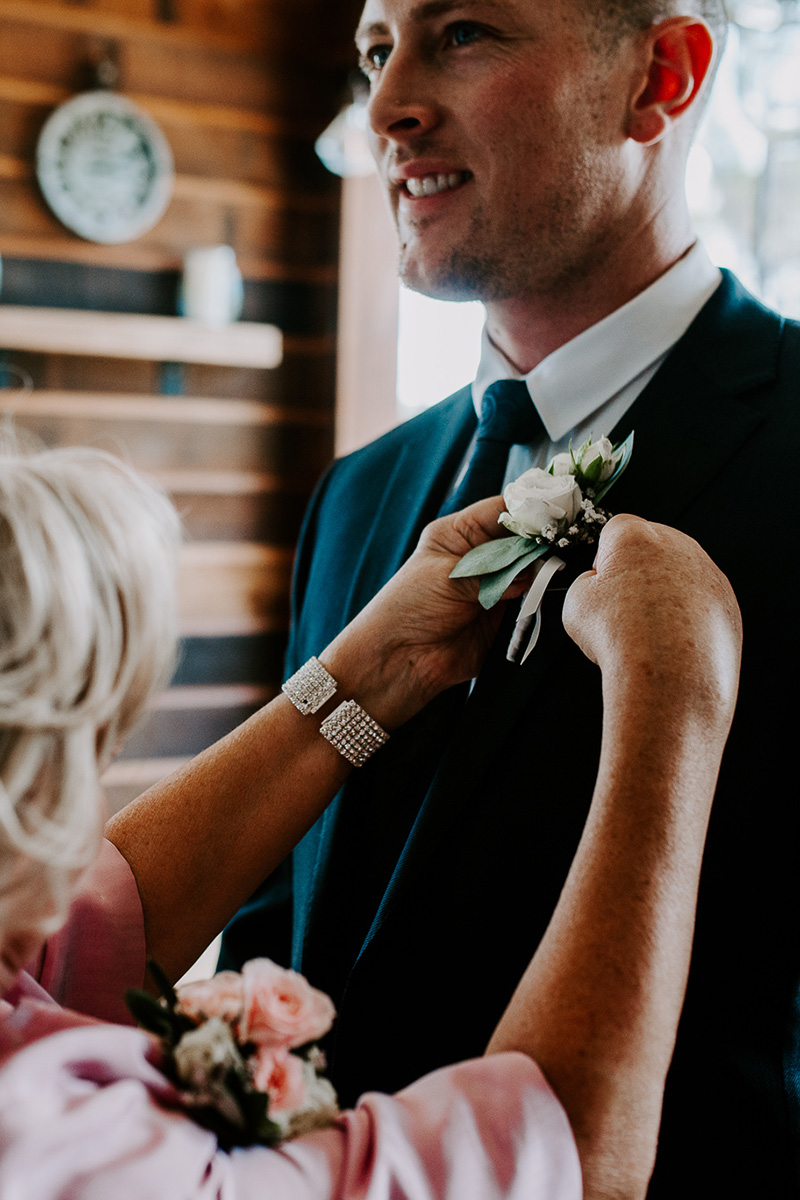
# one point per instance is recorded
(153, 339)
(296, 238)
(94, 23)
(210, 454)
(180, 481)
(282, 80)
(229, 588)
(139, 256)
(162, 109)
(158, 410)
(201, 187)
(230, 695)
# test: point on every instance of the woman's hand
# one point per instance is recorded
(423, 632)
(659, 618)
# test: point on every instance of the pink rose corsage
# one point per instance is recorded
(241, 1050)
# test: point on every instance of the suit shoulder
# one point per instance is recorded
(740, 347)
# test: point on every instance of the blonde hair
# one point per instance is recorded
(88, 557)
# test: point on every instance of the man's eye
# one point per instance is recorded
(374, 59)
(464, 33)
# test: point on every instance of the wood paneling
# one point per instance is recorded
(140, 335)
(240, 659)
(305, 380)
(257, 231)
(256, 50)
(241, 88)
(181, 437)
(230, 588)
(195, 717)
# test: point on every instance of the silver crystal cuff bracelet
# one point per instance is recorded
(353, 732)
(310, 687)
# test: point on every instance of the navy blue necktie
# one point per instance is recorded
(508, 418)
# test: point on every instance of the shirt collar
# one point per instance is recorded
(583, 374)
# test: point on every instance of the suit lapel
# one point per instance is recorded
(502, 690)
(411, 497)
(418, 480)
(682, 440)
(699, 409)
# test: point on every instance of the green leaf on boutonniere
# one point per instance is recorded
(627, 451)
(493, 586)
(491, 556)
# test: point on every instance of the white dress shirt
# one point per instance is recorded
(585, 386)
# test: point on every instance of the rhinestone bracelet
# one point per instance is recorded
(310, 687)
(353, 732)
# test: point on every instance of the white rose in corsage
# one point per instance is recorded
(241, 1052)
(546, 510)
(539, 502)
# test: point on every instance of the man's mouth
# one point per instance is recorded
(431, 185)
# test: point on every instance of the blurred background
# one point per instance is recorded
(198, 272)
(215, 373)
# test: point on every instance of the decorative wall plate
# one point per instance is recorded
(104, 167)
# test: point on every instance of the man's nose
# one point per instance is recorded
(402, 103)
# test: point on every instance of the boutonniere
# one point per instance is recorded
(549, 512)
(240, 1049)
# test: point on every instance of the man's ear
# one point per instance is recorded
(679, 53)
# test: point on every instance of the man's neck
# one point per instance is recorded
(527, 329)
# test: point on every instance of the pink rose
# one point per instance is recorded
(221, 997)
(281, 1009)
(281, 1074)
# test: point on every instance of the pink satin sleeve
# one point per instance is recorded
(86, 1114)
(488, 1129)
(100, 951)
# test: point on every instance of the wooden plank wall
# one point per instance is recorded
(241, 88)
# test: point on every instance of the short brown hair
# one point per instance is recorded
(614, 18)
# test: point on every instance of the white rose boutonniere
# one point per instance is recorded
(550, 510)
(539, 502)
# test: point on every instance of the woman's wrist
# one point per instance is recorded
(653, 693)
(656, 732)
(381, 679)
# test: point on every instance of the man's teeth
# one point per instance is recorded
(429, 185)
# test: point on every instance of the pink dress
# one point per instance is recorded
(85, 1114)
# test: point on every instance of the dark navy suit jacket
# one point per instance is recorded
(420, 920)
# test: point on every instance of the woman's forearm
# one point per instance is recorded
(598, 1007)
(203, 839)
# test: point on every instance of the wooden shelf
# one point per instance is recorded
(111, 25)
(132, 336)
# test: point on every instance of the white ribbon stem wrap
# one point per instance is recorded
(530, 613)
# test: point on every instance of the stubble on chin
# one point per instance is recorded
(534, 257)
(462, 273)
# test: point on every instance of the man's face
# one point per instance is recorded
(499, 134)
